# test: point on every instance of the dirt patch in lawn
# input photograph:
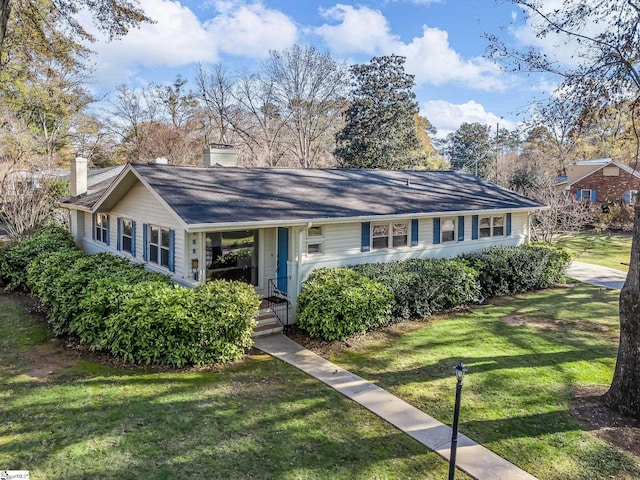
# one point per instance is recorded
(551, 324)
(587, 407)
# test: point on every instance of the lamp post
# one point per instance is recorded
(460, 371)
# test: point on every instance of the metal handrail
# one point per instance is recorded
(277, 301)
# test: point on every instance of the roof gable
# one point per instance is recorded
(601, 166)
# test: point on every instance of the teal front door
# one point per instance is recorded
(283, 257)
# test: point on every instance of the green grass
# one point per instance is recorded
(257, 419)
(526, 356)
(606, 249)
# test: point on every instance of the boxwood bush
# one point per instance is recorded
(506, 270)
(15, 259)
(422, 287)
(336, 303)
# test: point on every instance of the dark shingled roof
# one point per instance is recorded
(98, 180)
(226, 195)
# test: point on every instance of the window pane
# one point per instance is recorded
(153, 253)
(164, 257)
(485, 222)
(126, 227)
(314, 248)
(498, 221)
(380, 242)
(126, 244)
(153, 238)
(399, 240)
(448, 226)
(165, 237)
(380, 230)
(485, 232)
(399, 228)
(315, 232)
(497, 231)
(448, 236)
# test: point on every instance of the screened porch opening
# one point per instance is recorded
(232, 256)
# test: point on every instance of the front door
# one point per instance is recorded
(283, 257)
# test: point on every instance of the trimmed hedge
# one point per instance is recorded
(339, 302)
(334, 304)
(115, 306)
(15, 260)
(507, 270)
(422, 287)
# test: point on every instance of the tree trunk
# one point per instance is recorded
(624, 393)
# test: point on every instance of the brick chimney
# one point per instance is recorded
(78, 176)
(220, 155)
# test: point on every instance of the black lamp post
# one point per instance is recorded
(460, 371)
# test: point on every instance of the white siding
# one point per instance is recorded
(342, 245)
(269, 257)
(140, 205)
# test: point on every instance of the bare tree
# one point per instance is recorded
(309, 88)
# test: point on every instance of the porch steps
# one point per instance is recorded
(266, 322)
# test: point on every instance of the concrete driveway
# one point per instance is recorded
(597, 275)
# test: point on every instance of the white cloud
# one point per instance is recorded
(251, 30)
(361, 30)
(432, 60)
(179, 38)
(447, 117)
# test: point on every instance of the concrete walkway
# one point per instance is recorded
(597, 275)
(475, 460)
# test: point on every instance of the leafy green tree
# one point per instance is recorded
(380, 130)
(604, 38)
(470, 149)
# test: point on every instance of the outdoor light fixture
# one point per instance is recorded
(460, 371)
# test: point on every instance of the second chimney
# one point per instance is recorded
(79, 174)
(220, 155)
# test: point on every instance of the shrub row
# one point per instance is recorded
(506, 270)
(335, 303)
(422, 287)
(15, 260)
(115, 306)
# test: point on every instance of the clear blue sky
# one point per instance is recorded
(442, 40)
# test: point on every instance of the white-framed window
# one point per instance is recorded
(491, 226)
(159, 245)
(585, 194)
(102, 228)
(126, 239)
(315, 240)
(448, 230)
(395, 234)
(633, 197)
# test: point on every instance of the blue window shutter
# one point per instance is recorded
(436, 230)
(474, 227)
(461, 228)
(93, 226)
(145, 246)
(627, 197)
(172, 250)
(579, 195)
(508, 224)
(414, 232)
(365, 237)
(108, 242)
(133, 238)
(119, 228)
(593, 196)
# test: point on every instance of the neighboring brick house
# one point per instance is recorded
(601, 181)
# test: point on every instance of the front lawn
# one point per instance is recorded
(606, 249)
(64, 415)
(527, 357)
